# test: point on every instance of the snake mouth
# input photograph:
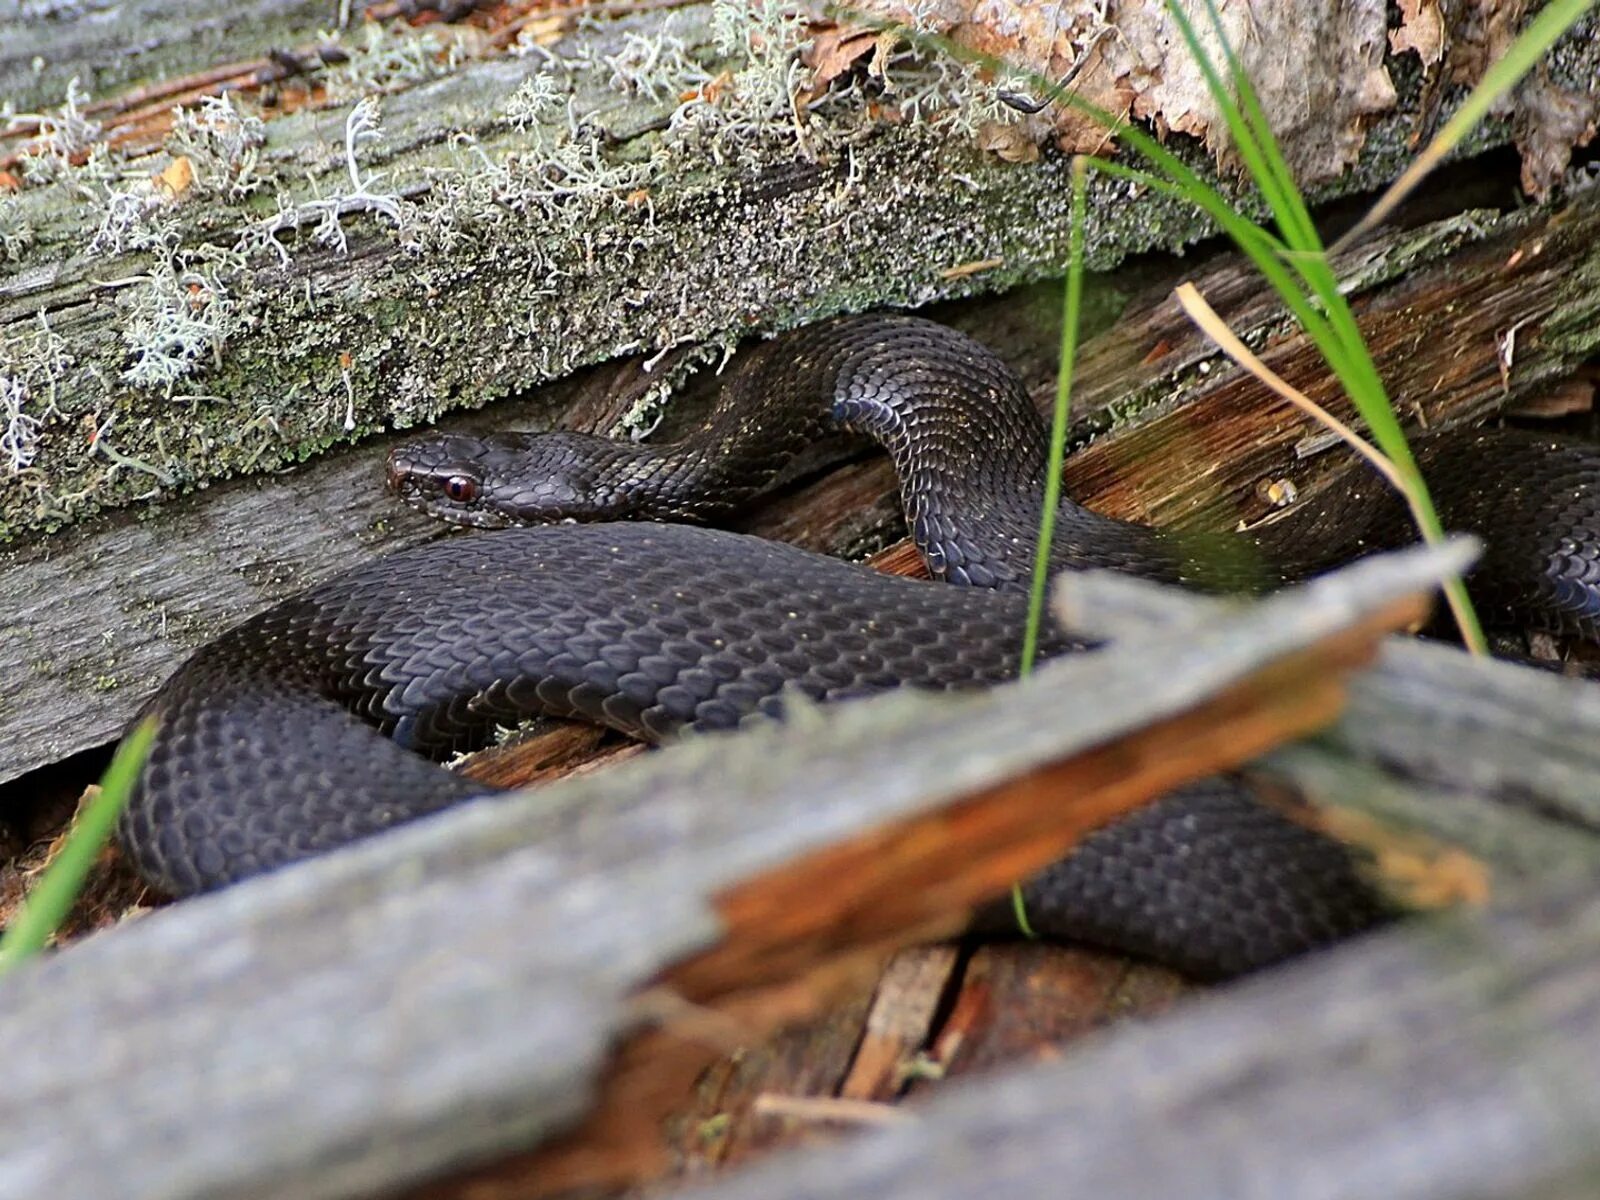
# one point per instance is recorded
(431, 504)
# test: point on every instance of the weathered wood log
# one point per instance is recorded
(101, 614)
(1446, 1062)
(636, 185)
(1490, 755)
(445, 993)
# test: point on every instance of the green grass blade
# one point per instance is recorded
(1058, 422)
(1294, 218)
(1072, 310)
(53, 896)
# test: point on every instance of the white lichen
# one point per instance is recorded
(538, 103)
(757, 99)
(32, 366)
(222, 144)
(177, 315)
(657, 66)
(19, 439)
(362, 126)
(62, 136)
(132, 218)
(389, 58)
(16, 230)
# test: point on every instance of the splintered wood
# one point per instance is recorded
(538, 980)
(802, 935)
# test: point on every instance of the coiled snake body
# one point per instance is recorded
(312, 724)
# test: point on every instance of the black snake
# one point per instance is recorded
(312, 724)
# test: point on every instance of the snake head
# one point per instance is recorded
(518, 479)
(448, 477)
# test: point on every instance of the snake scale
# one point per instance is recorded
(314, 723)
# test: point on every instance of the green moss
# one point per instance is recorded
(490, 244)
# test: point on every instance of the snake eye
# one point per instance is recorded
(463, 489)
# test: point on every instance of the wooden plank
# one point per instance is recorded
(512, 240)
(445, 993)
(1494, 755)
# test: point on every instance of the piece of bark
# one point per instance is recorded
(722, 1128)
(901, 1021)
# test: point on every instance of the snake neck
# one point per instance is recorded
(968, 445)
(972, 455)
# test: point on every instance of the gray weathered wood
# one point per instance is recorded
(493, 281)
(443, 993)
(1499, 757)
(1451, 1061)
(105, 46)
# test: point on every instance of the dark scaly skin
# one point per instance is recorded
(970, 451)
(272, 742)
(311, 725)
(302, 728)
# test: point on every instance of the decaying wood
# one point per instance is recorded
(104, 612)
(716, 1127)
(445, 993)
(1022, 1001)
(900, 1021)
(1443, 1062)
(1490, 755)
(938, 1013)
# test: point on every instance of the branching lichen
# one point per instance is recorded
(64, 136)
(16, 230)
(177, 316)
(32, 365)
(362, 126)
(389, 57)
(223, 145)
(19, 438)
(132, 218)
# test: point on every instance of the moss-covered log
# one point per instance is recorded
(198, 296)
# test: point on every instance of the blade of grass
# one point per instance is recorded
(1071, 315)
(1340, 339)
(1058, 422)
(1203, 315)
(1538, 36)
(52, 897)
